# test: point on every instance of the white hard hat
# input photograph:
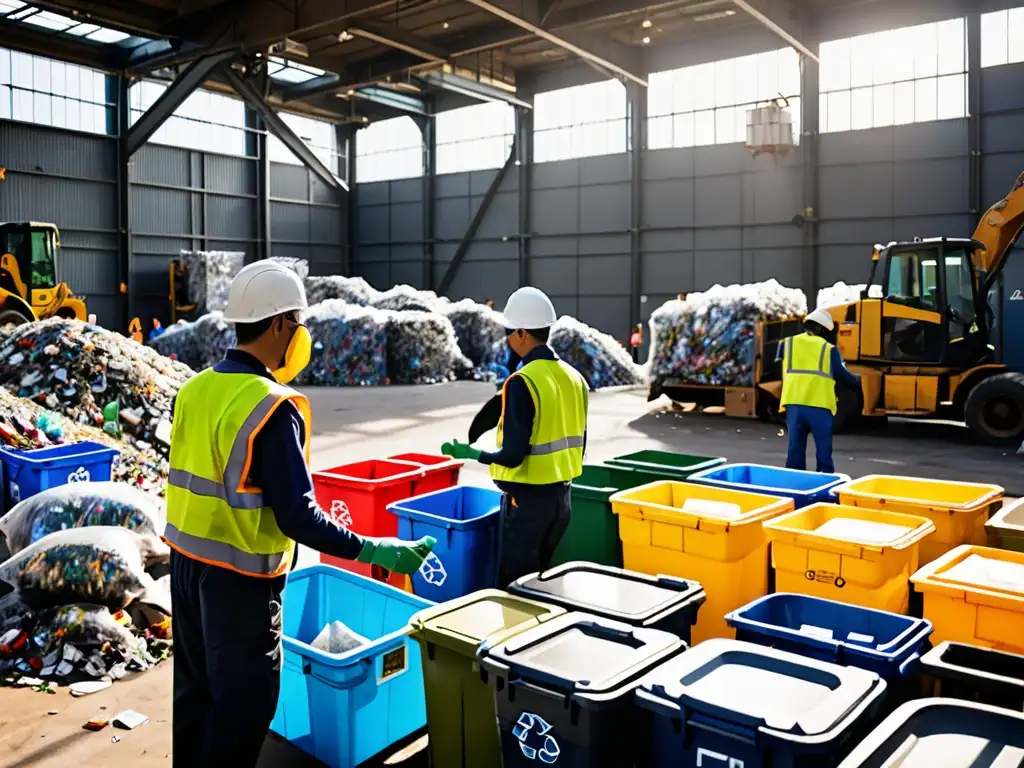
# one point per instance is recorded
(822, 318)
(529, 309)
(261, 290)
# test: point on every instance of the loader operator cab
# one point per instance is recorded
(29, 284)
(930, 312)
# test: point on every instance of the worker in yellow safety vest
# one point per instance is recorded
(541, 437)
(811, 368)
(239, 495)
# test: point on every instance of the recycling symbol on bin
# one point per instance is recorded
(433, 571)
(340, 513)
(80, 475)
(542, 746)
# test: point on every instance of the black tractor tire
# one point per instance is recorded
(12, 317)
(848, 410)
(994, 410)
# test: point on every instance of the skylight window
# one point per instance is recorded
(50, 20)
(10, 6)
(286, 71)
(15, 10)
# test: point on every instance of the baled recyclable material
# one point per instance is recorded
(209, 276)
(349, 345)
(599, 358)
(200, 344)
(299, 266)
(82, 505)
(352, 290)
(709, 337)
(405, 298)
(480, 331)
(422, 349)
(837, 294)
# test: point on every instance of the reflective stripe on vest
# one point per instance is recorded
(555, 454)
(807, 373)
(213, 515)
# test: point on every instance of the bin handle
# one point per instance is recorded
(364, 673)
(909, 664)
(544, 692)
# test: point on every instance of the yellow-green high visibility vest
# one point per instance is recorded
(807, 372)
(213, 514)
(560, 418)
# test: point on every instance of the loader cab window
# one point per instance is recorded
(960, 288)
(913, 286)
(914, 280)
(33, 251)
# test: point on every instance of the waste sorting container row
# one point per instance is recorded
(859, 556)
(801, 486)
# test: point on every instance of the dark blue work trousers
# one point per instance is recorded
(803, 420)
(227, 663)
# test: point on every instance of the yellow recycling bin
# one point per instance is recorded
(975, 595)
(859, 556)
(711, 535)
(959, 510)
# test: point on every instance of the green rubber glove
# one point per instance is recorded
(404, 557)
(458, 450)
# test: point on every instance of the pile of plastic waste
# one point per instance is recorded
(349, 345)
(422, 349)
(708, 337)
(209, 276)
(93, 377)
(298, 266)
(405, 298)
(837, 294)
(599, 358)
(200, 344)
(353, 290)
(481, 334)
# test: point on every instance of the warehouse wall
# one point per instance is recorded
(307, 221)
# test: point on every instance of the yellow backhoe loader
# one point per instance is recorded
(29, 285)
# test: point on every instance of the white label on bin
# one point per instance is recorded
(340, 513)
(708, 759)
(80, 475)
(535, 739)
(433, 571)
(392, 664)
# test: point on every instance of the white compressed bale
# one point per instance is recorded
(352, 290)
(349, 345)
(708, 337)
(480, 331)
(422, 349)
(837, 294)
(405, 298)
(599, 358)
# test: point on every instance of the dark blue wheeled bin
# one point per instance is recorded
(29, 472)
(803, 487)
(730, 703)
(564, 691)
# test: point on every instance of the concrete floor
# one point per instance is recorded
(355, 424)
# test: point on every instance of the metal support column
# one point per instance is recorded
(974, 111)
(637, 106)
(478, 218)
(256, 148)
(426, 125)
(524, 160)
(125, 257)
(809, 137)
(347, 138)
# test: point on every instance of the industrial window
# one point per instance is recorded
(900, 76)
(474, 138)
(1002, 37)
(207, 121)
(389, 149)
(581, 121)
(707, 103)
(35, 89)
(319, 136)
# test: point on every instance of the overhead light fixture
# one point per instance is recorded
(445, 25)
(646, 23)
(715, 15)
(366, 119)
(345, 36)
(646, 40)
(350, 92)
(288, 47)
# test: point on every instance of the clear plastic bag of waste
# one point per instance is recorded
(83, 505)
(338, 638)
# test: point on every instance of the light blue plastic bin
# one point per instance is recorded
(803, 487)
(464, 520)
(344, 708)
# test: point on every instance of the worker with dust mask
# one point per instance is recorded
(541, 439)
(239, 495)
(811, 369)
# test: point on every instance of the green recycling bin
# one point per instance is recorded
(593, 532)
(461, 720)
(665, 464)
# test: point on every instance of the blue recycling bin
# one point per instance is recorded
(731, 703)
(344, 708)
(464, 519)
(30, 472)
(803, 487)
(888, 644)
(564, 691)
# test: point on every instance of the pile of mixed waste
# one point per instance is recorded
(709, 337)
(78, 598)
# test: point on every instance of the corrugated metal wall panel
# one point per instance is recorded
(60, 153)
(64, 202)
(289, 182)
(158, 164)
(229, 174)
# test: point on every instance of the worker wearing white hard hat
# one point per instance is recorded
(811, 368)
(239, 497)
(541, 439)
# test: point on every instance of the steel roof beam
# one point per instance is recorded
(466, 87)
(399, 102)
(399, 39)
(763, 17)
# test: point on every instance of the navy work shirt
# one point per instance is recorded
(279, 468)
(518, 426)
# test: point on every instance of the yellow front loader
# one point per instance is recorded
(29, 285)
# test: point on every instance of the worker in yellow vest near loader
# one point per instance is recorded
(541, 439)
(239, 495)
(811, 368)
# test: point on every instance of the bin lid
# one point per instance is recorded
(582, 654)
(616, 593)
(974, 570)
(943, 732)
(759, 687)
(487, 616)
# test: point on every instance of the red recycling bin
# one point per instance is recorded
(357, 496)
